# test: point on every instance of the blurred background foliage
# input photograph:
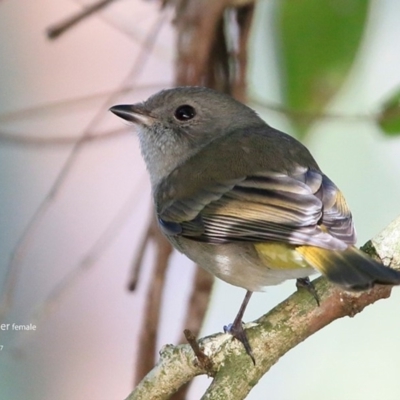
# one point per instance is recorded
(75, 198)
(317, 45)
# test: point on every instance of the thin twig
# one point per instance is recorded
(204, 361)
(61, 105)
(13, 139)
(254, 99)
(148, 334)
(56, 30)
(130, 33)
(136, 264)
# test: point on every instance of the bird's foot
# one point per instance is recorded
(305, 283)
(237, 331)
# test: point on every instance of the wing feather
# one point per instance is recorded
(298, 205)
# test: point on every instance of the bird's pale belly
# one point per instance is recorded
(250, 266)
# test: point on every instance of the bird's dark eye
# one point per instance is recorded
(184, 113)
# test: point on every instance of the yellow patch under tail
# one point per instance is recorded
(280, 256)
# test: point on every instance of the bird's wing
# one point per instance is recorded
(303, 209)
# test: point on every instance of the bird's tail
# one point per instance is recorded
(351, 268)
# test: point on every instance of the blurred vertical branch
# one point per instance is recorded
(148, 334)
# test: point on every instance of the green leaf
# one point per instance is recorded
(389, 117)
(317, 44)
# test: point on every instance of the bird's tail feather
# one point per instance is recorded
(351, 268)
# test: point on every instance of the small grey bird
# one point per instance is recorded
(243, 200)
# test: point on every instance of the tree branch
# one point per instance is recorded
(271, 336)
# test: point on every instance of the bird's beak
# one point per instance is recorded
(135, 113)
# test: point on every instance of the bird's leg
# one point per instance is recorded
(305, 283)
(236, 328)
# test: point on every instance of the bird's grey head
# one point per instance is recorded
(176, 123)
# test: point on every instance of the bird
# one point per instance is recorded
(245, 201)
